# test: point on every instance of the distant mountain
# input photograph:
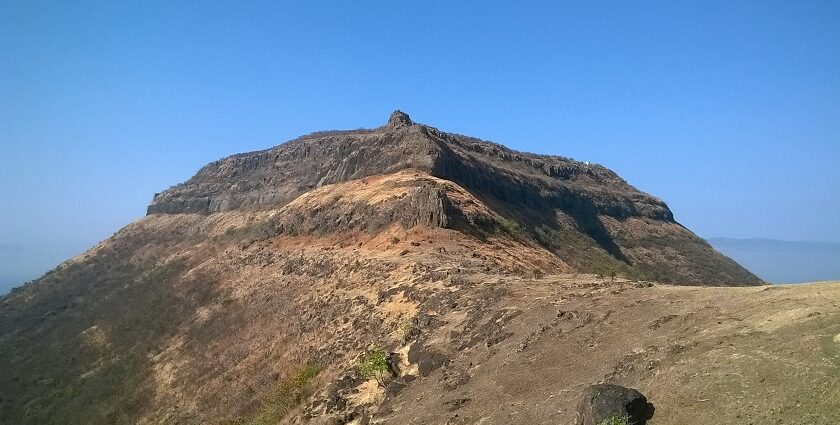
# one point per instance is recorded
(779, 261)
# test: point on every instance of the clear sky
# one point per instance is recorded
(727, 110)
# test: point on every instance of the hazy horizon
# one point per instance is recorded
(778, 261)
(729, 112)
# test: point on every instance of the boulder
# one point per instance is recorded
(601, 402)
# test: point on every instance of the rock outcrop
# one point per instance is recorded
(585, 214)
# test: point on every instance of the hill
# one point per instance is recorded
(252, 293)
(585, 215)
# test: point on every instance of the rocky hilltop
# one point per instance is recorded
(586, 215)
(480, 284)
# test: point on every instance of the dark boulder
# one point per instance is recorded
(601, 402)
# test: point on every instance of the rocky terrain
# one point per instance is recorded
(584, 214)
(497, 286)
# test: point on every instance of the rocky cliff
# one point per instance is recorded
(585, 214)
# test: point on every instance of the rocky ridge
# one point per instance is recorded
(583, 213)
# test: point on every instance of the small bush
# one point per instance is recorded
(404, 329)
(374, 365)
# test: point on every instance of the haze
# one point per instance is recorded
(729, 111)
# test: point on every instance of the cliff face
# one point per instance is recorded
(273, 177)
(585, 214)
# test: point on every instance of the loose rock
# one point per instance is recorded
(601, 402)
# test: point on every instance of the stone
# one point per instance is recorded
(395, 387)
(601, 402)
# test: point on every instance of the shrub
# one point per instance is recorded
(404, 329)
(374, 365)
(509, 226)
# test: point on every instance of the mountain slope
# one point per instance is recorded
(585, 214)
(249, 293)
(187, 317)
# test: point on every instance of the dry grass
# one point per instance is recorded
(188, 317)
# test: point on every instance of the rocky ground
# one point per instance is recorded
(478, 333)
(740, 355)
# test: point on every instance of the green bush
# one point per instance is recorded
(374, 365)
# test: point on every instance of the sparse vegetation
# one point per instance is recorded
(248, 234)
(374, 365)
(509, 226)
(404, 329)
(574, 246)
(146, 285)
(286, 394)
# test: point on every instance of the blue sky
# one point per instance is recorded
(727, 110)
